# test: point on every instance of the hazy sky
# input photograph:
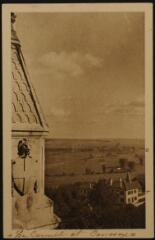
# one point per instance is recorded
(88, 71)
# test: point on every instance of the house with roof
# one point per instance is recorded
(128, 191)
(84, 188)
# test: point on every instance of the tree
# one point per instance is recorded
(87, 171)
(131, 165)
(123, 162)
(141, 179)
(103, 194)
(141, 161)
(103, 168)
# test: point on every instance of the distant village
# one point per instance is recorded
(78, 203)
(103, 159)
(128, 191)
(108, 181)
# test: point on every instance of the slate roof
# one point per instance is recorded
(26, 112)
(126, 185)
(131, 185)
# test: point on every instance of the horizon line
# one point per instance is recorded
(70, 138)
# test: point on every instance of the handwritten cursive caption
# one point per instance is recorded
(72, 234)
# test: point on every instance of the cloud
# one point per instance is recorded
(93, 61)
(58, 112)
(139, 103)
(136, 107)
(72, 63)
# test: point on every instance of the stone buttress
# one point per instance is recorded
(31, 208)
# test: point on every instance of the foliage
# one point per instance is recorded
(141, 179)
(131, 165)
(103, 168)
(96, 210)
(123, 162)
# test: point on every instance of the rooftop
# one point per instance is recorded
(126, 184)
(26, 111)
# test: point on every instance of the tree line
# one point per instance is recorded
(94, 210)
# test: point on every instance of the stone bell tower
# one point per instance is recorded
(31, 208)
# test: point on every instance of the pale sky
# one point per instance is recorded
(88, 71)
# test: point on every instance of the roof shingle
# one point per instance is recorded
(26, 112)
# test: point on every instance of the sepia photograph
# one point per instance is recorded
(80, 120)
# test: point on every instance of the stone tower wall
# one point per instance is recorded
(26, 171)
